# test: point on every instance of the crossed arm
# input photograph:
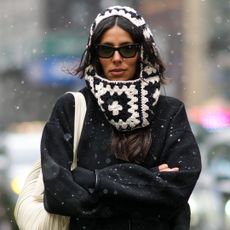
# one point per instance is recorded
(67, 193)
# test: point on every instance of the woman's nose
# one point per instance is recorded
(117, 57)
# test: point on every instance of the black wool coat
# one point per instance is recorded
(105, 193)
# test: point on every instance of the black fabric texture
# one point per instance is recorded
(106, 193)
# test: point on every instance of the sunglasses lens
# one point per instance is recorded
(105, 51)
(128, 51)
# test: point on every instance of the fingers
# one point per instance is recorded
(165, 168)
(175, 169)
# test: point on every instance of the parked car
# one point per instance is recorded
(207, 206)
(5, 199)
(21, 148)
(218, 162)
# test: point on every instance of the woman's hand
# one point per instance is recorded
(165, 168)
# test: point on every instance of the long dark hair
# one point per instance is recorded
(130, 146)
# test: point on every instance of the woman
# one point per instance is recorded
(138, 161)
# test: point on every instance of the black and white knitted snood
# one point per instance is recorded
(128, 105)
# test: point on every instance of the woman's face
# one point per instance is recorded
(116, 67)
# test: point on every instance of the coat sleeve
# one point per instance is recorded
(130, 183)
(62, 194)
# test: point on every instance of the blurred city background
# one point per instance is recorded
(40, 39)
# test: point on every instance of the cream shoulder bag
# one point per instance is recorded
(29, 210)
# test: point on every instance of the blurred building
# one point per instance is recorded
(21, 26)
(38, 36)
(196, 72)
(165, 19)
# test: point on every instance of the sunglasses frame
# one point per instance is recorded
(136, 45)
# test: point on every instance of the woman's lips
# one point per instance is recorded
(117, 72)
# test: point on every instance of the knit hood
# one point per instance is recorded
(127, 105)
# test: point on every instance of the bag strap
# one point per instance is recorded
(79, 116)
(80, 109)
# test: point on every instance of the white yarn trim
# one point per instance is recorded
(121, 11)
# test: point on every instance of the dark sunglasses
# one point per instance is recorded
(126, 51)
